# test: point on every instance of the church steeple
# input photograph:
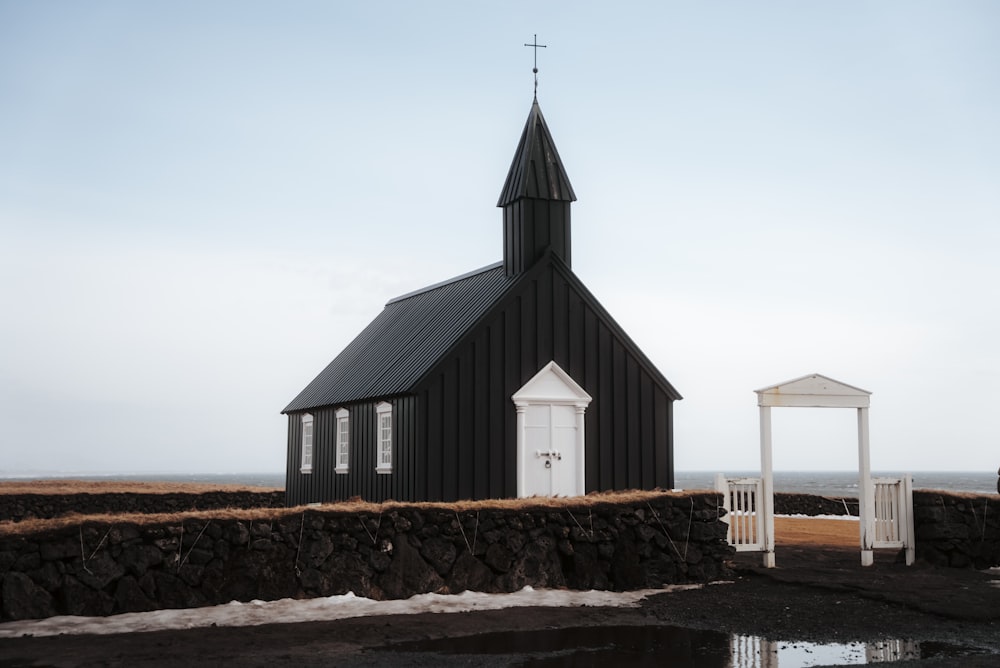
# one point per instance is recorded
(535, 199)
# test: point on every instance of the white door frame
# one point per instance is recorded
(551, 385)
(817, 391)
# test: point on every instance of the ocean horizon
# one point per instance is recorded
(820, 483)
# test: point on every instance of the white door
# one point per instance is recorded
(550, 434)
(550, 443)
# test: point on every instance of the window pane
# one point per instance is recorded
(307, 444)
(385, 440)
(343, 440)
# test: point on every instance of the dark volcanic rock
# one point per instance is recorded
(470, 573)
(315, 552)
(173, 592)
(23, 599)
(625, 570)
(130, 597)
(408, 573)
(439, 553)
(76, 598)
(99, 571)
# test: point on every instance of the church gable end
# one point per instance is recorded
(446, 362)
(547, 316)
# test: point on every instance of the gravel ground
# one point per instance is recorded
(815, 594)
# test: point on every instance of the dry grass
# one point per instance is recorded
(812, 531)
(353, 507)
(120, 487)
(36, 526)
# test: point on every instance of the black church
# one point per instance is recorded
(509, 381)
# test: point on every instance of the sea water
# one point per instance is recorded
(820, 483)
(845, 483)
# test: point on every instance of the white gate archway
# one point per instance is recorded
(817, 391)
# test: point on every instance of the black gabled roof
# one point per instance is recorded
(536, 171)
(406, 339)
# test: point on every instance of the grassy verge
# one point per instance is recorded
(27, 527)
(120, 487)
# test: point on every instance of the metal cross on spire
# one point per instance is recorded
(536, 46)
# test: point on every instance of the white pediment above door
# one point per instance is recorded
(552, 385)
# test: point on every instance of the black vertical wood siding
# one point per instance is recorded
(455, 436)
(470, 439)
(532, 226)
(324, 484)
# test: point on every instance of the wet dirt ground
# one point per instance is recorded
(819, 594)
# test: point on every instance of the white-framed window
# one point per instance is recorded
(383, 455)
(307, 443)
(343, 440)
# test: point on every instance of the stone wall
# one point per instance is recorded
(19, 507)
(102, 569)
(786, 503)
(957, 530)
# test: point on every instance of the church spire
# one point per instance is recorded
(536, 170)
(535, 199)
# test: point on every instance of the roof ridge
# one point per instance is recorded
(435, 286)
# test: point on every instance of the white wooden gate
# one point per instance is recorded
(742, 498)
(894, 514)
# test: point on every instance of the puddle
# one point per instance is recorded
(604, 646)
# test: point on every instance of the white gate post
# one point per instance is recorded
(768, 485)
(910, 542)
(866, 497)
(722, 487)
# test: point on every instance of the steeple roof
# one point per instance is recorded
(536, 172)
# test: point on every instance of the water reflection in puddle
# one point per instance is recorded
(604, 646)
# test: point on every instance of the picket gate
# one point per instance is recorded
(894, 514)
(742, 499)
(886, 519)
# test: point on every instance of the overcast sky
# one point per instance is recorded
(201, 204)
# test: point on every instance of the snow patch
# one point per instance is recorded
(290, 611)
